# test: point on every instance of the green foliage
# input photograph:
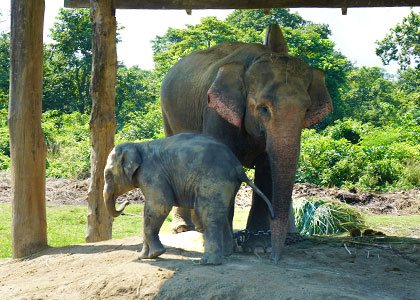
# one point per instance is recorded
(68, 63)
(323, 216)
(135, 89)
(383, 158)
(402, 44)
(4, 68)
(177, 43)
(68, 143)
(142, 125)
(4, 141)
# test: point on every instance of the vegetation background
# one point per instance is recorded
(370, 142)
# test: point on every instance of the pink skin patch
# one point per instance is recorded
(217, 102)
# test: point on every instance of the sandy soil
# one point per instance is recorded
(314, 269)
(317, 268)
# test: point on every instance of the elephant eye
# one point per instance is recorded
(264, 111)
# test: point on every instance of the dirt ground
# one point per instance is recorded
(317, 268)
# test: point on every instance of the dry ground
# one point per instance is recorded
(318, 268)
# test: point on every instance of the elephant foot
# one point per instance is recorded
(180, 228)
(151, 252)
(211, 259)
(227, 251)
(260, 241)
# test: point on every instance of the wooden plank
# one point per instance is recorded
(244, 4)
(102, 119)
(27, 146)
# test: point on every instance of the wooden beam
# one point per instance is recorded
(102, 119)
(244, 4)
(27, 146)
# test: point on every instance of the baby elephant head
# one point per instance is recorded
(123, 161)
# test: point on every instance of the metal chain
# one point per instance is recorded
(242, 236)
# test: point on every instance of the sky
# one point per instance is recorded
(354, 34)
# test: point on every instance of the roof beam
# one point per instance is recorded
(244, 4)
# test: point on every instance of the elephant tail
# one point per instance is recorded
(245, 178)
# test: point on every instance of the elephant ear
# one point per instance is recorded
(130, 161)
(226, 94)
(321, 100)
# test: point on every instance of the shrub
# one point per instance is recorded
(142, 125)
(378, 162)
(68, 144)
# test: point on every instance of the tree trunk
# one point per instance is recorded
(102, 119)
(27, 147)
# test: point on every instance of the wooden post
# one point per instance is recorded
(102, 119)
(27, 146)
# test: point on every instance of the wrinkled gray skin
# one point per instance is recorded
(186, 170)
(256, 99)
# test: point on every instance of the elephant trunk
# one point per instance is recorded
(109, 198)
(283, 153)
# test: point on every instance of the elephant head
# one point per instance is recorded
(123, 162)
(273, 99)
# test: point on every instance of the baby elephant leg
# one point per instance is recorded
(154, 216)
(214, 222)
(228, 233)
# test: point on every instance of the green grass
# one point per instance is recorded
(395, 225)
(67, 225)
(5, 235)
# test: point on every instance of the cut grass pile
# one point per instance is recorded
(322, 216)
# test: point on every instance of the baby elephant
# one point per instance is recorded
(186, 170)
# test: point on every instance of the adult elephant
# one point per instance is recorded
(256, 99)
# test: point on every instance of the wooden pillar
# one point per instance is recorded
(102, 119)
(27, 147)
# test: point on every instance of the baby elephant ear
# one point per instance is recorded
(131, 161)
(227, 93)
(321, 100)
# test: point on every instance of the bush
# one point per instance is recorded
(68, 144)
(322, 216)
(142, 125)
(377, 162)
(4, 141)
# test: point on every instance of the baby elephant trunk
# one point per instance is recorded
(109, 199)
(244, 178)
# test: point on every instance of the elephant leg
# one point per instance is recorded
(182, 220)
(228, 244)
(154, 216)
(259, 217)
(198, 225)
(213, 221)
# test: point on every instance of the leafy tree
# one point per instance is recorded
(68, 66)
(370, 97)
(68, 62)
(4, 68)
(177, 43)
(252, 23)
(402, 44)
(135, 88)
